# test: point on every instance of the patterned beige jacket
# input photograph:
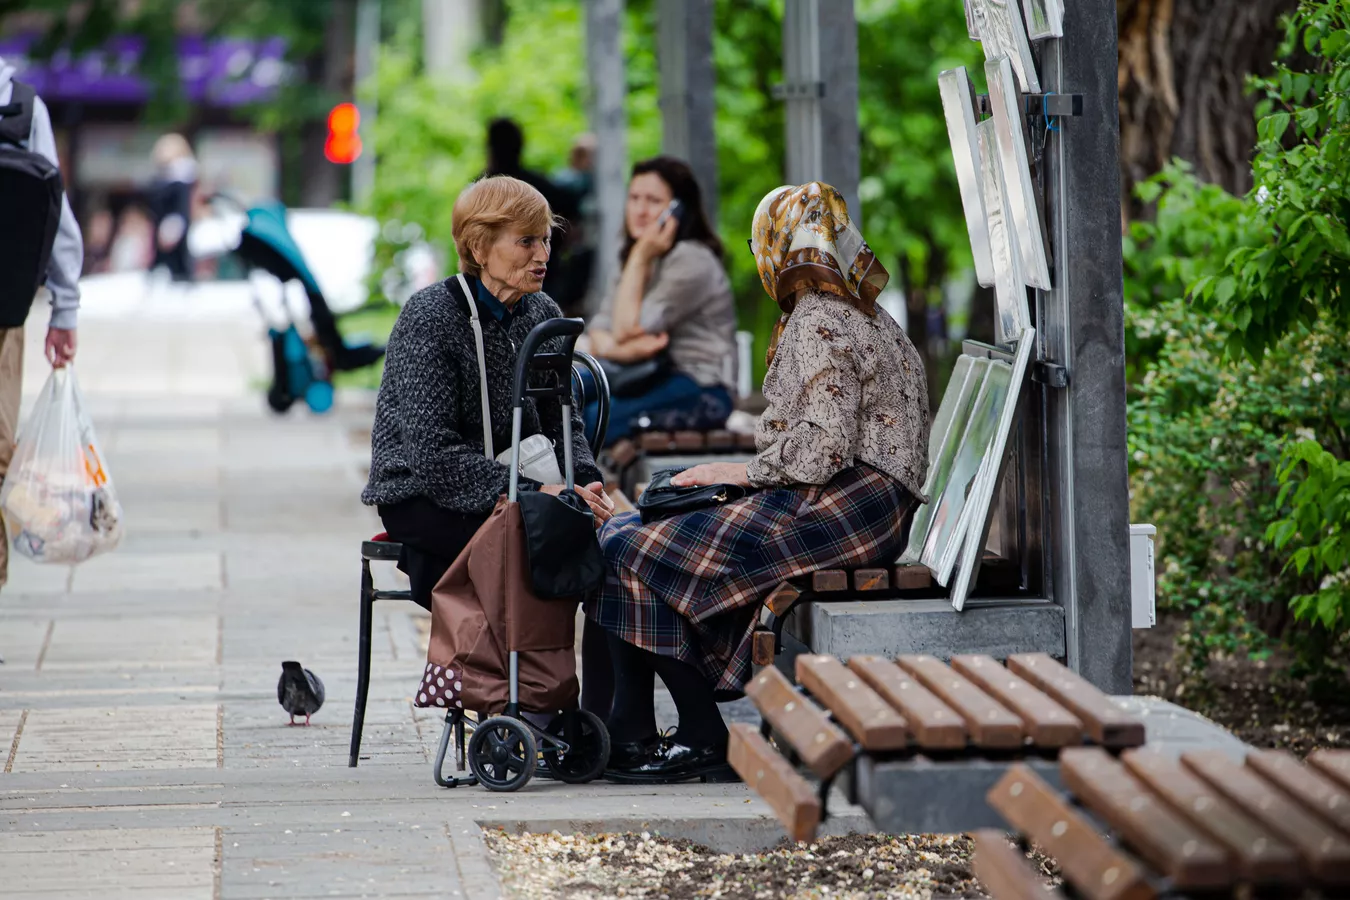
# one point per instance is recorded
(844, 387)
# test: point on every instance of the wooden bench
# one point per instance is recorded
(1146, 824)
(857, 723)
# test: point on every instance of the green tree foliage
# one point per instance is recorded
(1240, 405)
(1295, 265)
(429, 135)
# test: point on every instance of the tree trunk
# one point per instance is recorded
(1183, 70)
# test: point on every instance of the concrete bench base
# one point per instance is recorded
(889, 628)
(948, 796)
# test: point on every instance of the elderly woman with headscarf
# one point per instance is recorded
(841, 455)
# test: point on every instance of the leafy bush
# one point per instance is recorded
(1317, 485)
(1206, 438)
(1241, 397)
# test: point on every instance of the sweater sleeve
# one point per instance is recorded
(449, 466)
(809, 431)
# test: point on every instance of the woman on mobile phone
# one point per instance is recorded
(667, 329)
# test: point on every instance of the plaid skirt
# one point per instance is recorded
(691, 586)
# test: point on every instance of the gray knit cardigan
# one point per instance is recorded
(428, 435)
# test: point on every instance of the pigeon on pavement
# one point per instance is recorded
(299, 691)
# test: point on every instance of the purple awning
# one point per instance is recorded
(219, 72)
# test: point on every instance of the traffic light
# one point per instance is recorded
(343, 144)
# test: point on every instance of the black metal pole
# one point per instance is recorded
(1080, 324)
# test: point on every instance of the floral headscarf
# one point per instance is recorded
(802, 238)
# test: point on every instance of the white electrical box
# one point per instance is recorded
(1143, 610)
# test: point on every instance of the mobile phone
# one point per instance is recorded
(676, 209)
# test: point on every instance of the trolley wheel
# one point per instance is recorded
(502, 754)
(279, 400)
(588, 743)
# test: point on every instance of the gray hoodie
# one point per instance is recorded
(63, 272)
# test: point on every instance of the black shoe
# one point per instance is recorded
(632, 754)
(672, 762)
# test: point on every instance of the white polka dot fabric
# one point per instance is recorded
(439, 689)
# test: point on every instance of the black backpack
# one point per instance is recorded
(31, 213)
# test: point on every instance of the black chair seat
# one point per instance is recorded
(381, 550)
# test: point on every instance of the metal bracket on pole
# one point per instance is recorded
(803, 90)
(1049, 105)
(1050, 374)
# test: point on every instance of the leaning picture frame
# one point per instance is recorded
(945, 535)
(975, 514)
(958, 107)
(1005, 102)
(944, 437)
(1045, 18)
(1011, 313)
(1002, 34)
(971, 28)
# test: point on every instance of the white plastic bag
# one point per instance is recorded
(58, 499)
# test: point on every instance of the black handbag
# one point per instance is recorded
(661, 499)
(560, 542)
(634, 379)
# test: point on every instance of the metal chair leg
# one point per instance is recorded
(363, 661)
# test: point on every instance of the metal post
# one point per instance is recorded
(684, 51)
(604, 57)
(367, 59)
(1080, 326)
(820, 74)
(450, 29)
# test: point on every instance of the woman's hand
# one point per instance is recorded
(713, 473)
(657, 238)
(594, 494)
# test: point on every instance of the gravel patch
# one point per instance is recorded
(855, 867)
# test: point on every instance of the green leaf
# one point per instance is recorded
(1276, 125)
(1224, 289)
(1307, 120)
(1242, 317)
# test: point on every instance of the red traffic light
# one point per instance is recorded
(343, 144)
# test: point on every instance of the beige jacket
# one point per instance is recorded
(844, 387)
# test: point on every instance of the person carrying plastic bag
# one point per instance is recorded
(58, 500)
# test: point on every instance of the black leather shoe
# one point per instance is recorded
(673, 762)
(631, 754)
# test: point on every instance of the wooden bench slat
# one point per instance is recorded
(872, 721)
(1106, 723)
(1335, 764)
(1324, 797)
(934, 724)
(1325, 853)
(623, 453)
(1046, 722)
(781, 598)
(1256, 852)
(818, 741)
(828, 581)
(1096, 869)
(871, 579)
(988, 722)
(745, 441)
(1004, 870)
(689, 440)
(655, 441)
(1166, 840)
(721, 439)
(762, 647)
(788, 794)
(912, 578)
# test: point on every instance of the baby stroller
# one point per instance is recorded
(481, 614)
(299, 371)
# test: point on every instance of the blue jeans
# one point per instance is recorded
(676, 401)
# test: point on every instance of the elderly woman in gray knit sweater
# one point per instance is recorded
(429, 476)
